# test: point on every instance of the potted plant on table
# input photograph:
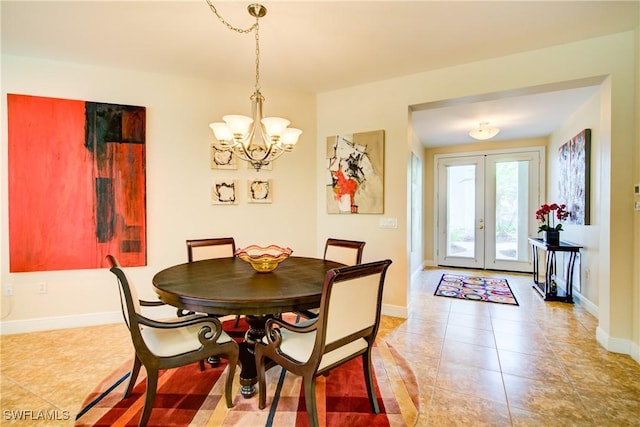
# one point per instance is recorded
(547, 214)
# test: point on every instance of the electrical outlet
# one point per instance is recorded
(42, 287)
(8, 290)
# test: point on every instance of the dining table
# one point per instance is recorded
(230, 286)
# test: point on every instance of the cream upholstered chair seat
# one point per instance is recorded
(299, 347)
(170, 342)
(342, 331)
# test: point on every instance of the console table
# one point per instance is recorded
(544, 287)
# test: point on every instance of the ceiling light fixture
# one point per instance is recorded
(255, 139)
(484, 131)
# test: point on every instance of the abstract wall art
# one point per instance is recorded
(575, 176)
(224, 192)
(355, 173)
(222, 159)
(260, 191)
(76, 183)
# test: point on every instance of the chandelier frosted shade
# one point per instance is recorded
(484, 131)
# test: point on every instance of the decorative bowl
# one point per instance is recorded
(263, 260)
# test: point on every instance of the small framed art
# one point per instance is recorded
(224, 192)
(222, 159)
(259, 191)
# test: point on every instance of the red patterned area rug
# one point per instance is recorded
(188, 397)
(475, 288)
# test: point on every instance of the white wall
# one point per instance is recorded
(178, 183)
(383, 105)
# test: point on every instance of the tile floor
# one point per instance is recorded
(477, 363)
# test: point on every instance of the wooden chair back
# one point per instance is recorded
(221, 247)
(347, 252)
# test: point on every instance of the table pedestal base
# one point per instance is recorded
(248, 371)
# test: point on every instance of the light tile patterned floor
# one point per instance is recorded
(477, 363)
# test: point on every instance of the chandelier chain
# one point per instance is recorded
(228, 25)
(255, 27)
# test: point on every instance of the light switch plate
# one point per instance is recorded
(388, 223)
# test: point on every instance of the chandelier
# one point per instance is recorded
(258, 140)
(484, 131)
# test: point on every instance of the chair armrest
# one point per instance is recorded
(151, 303)
(306, 326)
(206, 334)
(274, 336)
(177, 323)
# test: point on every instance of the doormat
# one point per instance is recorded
(475, 288)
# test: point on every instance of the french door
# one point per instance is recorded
(485, 210)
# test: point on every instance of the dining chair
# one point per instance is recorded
(347, 252)
(169, 344)
(342, 331)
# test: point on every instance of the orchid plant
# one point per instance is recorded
(548, 213)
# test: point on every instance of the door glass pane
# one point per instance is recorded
(512, 194)
(461, 192)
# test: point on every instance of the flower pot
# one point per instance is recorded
(551, 237)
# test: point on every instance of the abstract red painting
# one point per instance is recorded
(76, 184)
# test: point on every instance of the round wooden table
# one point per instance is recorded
(231, 286)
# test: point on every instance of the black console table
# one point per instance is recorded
(544, 287)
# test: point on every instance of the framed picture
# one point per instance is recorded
(259, 191)
(222, 158)
(575, 176)
(224, 192)
(355, 173)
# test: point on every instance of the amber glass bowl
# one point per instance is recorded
(263, 260)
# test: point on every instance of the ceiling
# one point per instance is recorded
(319, 46)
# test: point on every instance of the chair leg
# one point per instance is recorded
(201, 364)
(262, 387)
(309, 382)
(152, 384)
(135, 369)
(237, 321)
(228, 386)
(368, 380)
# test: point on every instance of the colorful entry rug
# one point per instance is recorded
(475, 288)
(188, 397)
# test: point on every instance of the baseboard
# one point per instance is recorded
(587, 304)
(395, 311)
(616, 345)
(9, 327)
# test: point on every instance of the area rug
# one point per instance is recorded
(188, 397)
(475, 288)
